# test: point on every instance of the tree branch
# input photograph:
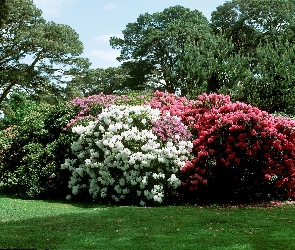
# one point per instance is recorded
(35, 61)
(6, 91)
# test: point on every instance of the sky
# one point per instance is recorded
(97, 20)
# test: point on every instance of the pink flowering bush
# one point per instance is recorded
(172, 104)
(88, 108)
(170, 128)
(240, 152)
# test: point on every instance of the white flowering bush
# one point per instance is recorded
(120, 157)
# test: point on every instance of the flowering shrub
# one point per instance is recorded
(127, 154)
(219, 150)
(172, 104)
(89, 107)
(170, 128)
(240, 151)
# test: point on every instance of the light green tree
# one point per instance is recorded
(95, 81)
(35, 55)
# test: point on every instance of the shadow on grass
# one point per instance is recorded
(76, 231)
(61, 224)
(9, 192)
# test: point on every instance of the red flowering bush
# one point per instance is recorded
(241, 153)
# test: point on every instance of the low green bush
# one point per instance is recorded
(18, 106)
(33, 151)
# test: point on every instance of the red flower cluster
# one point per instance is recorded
(234, 136)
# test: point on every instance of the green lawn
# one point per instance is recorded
(68, 225)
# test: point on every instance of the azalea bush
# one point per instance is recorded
(130, 154)
(87, 108)
(32, 151)
(241, 153)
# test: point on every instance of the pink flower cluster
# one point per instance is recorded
(234, 135)
(89, 107)
(170, 128)
(10, 131)
(172, 104)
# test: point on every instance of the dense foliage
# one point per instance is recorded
(33, 150)
(93, 81)
(18, 106)
(158, 41)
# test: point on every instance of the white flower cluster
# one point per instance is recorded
(119, 157)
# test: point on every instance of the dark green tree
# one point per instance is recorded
(3, 12)
(273, 85)
(139, 75)
(201, 68)
(160, 40)
(260, 69)
(248, 22)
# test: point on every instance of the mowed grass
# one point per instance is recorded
(31, 224)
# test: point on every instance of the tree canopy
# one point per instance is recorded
(35, 55)
(94, 81)
(262, 33)
(246, 50)
(248, 22)
(160, 40)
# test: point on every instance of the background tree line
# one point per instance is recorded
(246, 50)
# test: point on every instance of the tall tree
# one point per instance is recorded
(35, 55)
(139, 75)
(160, 39)
(262, 33)
(201, 65)
(272, 86)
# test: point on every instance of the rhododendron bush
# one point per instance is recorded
(89, 107)
(129, 154)
(240, 152)
(208, 150)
